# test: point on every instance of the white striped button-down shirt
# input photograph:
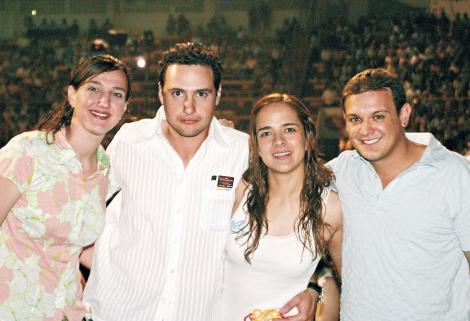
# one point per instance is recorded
(160, 256)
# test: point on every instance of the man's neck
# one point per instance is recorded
(185, 147)
(406, 155)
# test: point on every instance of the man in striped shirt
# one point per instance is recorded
(160, 256)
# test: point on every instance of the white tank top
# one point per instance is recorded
(280, 269)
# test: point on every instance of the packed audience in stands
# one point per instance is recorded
(430, 54)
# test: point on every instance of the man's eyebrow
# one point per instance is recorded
(199, 89)
(381, 111)
(373, 113)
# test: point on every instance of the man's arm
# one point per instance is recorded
(328, 309)
(306, 304)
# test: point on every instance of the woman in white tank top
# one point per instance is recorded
(285, 216)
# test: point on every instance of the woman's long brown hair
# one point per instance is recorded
(317, 178)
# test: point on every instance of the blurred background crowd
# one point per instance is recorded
(430, 52)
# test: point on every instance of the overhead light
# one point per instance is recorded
(141, 63)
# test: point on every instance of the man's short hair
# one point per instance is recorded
(375, 79)
(190, 53)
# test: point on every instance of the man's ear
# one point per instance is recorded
(405, 113)
(219, 94)
(160, 93)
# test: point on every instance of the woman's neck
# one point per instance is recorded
(84, 145)
(285, 186)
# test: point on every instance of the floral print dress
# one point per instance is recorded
(60, 212)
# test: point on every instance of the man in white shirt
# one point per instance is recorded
(406, 213)
(160, 256)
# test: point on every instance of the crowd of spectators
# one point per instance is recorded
(430, 54)
(32, 78)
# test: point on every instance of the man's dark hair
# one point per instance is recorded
(375, 79)
(190, 53)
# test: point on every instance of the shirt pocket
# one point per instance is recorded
(216, 209)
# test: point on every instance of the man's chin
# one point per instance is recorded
(190, 133)
(367, 155)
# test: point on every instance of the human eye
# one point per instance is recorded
(92, 89)
(353, 119)
(263, 133)
(290, 129)
(118, 94)
(202, 94)
(176, 93)
(379, 116)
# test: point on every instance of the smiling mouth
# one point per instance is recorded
(370, 141)
(102, 115)
(281, 155)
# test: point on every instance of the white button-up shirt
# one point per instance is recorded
(160, 256)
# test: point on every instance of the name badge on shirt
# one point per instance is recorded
(223, 182)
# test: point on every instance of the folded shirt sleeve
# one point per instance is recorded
(16, 164)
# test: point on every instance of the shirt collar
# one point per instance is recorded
(103, 159)
(64, 150)
(433, 154)
(67, 154)
(216, 131)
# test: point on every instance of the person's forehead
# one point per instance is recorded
(186, 70)
(278, 113)
(277, 108)
(370, 98)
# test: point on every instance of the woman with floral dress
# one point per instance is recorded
(53, 184)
